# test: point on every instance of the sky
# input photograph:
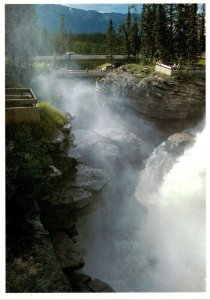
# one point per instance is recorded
(105, 8)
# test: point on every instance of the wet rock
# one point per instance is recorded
(72, 232)
(99, 286)
(61, 141)
(157, 97)
(178, 139)
(82, 282)
(66, 164)
(108, 147)
(72, 197)
(78, 281)
(178, 142)
(91, 179)
(59, 138)
(129, 144)
(57, 216)
(69, 254)
(38, 271)
(66, 129)
(54, 172)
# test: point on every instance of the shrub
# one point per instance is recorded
(52, 118)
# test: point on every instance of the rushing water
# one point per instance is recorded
(164, 250)
(149, 234)
(173, 233)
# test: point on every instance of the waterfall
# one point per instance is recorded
(173, 233)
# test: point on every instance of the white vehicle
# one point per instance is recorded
(71, 53)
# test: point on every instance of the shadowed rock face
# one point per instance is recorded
(157, 97)
(70, 255)
(38, 270)
(107, 147)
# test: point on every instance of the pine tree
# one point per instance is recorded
(110, 39)
(201, 30)
(170, 12)
(125, 30)
(192, 32)
(148, 31)
(135, 35)
(181, 24)
(161, 33)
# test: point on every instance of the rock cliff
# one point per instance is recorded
(156, 96)
(52, 260)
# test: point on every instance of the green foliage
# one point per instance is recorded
(171, 32)
(184, 74)
(140, 68)
(201, 62)
(27, 159)
(110, 39)
(130, 35)
(51, 118)
(29, 152)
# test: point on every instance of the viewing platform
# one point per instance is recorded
(20, 106)
(172, 69)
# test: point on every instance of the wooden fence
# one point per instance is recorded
(20, 106)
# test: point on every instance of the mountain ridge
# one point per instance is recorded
(76, 20)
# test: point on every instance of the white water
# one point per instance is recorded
(173, 235)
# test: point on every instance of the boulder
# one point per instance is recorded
(82, 282)
(69, 254)
(99, 286)
(57, 216)
(107, 147)
(178, 142)
(54, 172)
(92, 180)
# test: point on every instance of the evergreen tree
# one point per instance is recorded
(181, 24)
(192, 32)
(201, 30)
(148, 31)
(135, 35)
(125, 30)
(170, 12)
(161, 33)
(110, 39)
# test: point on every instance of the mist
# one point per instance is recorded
(148, 234)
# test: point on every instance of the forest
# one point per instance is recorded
(166, 31)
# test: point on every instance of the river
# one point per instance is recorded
(147, 233)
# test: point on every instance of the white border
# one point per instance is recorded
(4, 295)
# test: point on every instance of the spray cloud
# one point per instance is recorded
(174, 231)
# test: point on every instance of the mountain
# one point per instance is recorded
(76, 20)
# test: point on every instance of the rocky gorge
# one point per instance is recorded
(157, 96)
(98, 172)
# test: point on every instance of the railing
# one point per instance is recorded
(171, 70)
(20, 104)
(20, 97)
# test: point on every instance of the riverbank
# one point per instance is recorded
(42, 251)
(157, 96)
